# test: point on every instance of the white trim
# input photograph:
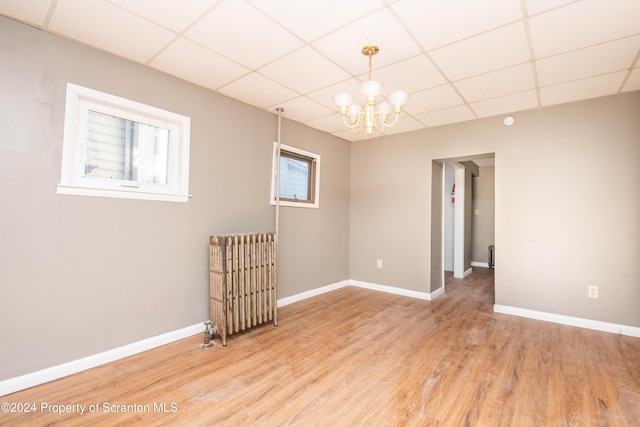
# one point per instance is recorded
(275, 176)
(79, 100)
(597, 325)
(458, 222)
(435, 294)
(357, 283)
(312, 293)
(392, 290)
(468, 271)
(55, 372)
(120, 194)
(479, 264)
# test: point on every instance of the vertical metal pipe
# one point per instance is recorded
(279, 110)
(276, 257)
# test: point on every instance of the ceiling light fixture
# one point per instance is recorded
(509, 120)
(372, 115)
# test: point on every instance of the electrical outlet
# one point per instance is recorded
(593, 292)
(379, 263)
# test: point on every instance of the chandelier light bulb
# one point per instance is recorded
(398, 98)
(384, 109)
(370, 89)
(354, 113)
(343, 100)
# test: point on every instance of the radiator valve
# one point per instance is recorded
(208, 335)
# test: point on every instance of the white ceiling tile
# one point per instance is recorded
(582, 24)
(92, 23)
(242, 33)
(404, 124)
(582, 89)
(326, 94)
(447, 116)
(350, 135)
(411, 75)
(212, 71)
(171, 14)
(304, 70)
(312, 19)
(436, 98)
(302, 109)
(480, 45)
(535, 7)
(600, 59)
(506, 104)
(498, 83)
(32, 11)
(257, 90)
(470, 57)
(345, 45)
(331, 123)
(437, 23)
(633, 83)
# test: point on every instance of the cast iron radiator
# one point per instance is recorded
(242, 282)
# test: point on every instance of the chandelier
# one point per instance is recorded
(372, 115)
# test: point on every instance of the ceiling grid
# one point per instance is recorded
(458, 59)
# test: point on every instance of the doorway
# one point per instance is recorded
(462, 216)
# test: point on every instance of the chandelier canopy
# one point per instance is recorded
(372, 115)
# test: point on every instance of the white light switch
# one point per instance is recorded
(476, 212)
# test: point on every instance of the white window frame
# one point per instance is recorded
(315, 203)
(72, 180)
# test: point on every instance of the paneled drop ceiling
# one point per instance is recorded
(459, 59)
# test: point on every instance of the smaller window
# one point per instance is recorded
(299, 177)
(114, 147)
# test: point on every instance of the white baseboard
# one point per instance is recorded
(597, 325)
(373, 286)
(55, 372)
(468, 272)
(392, 290)
(312, 293)
(479, 264)
(435, 294)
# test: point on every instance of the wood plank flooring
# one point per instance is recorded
(356, 357)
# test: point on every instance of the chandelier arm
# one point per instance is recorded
(352, 126)
(395, 119)
(379, 126)
(346, 123)
(385, 125)
(358, 125)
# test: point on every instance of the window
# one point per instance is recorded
(114, 147)
(299, 177)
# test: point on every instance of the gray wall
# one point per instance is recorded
(572, 224)
(437, 235)
(470, 171)
(483, 223)
(391, 211)
(449, 216)
(81, 275)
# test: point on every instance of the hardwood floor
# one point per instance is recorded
(356, 357)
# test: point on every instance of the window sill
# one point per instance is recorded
(120, 194)
(296, 204)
